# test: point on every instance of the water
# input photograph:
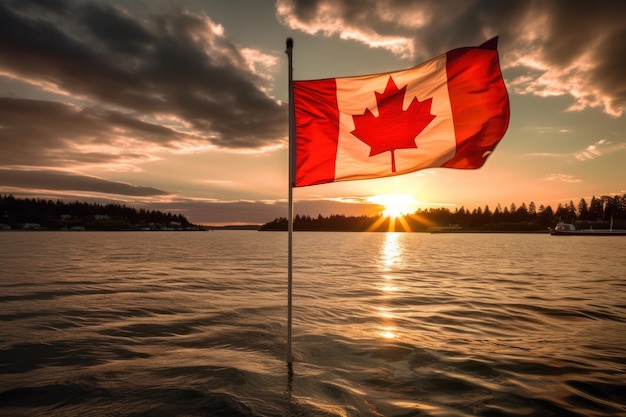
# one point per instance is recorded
(194, 324)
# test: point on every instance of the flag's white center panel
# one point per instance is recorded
(356, 94)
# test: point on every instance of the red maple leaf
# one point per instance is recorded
(394, 128)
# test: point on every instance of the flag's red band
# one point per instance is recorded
(479, 102)
(317, 127)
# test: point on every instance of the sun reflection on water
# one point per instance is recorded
(389, 332)
(385, 313)
(390, 256)
(391, 251)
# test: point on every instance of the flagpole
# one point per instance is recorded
(292, 135)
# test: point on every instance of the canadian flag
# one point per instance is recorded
(448, 112)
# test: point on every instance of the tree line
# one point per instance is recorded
(54, 215)
(598, 213)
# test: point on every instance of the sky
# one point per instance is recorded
(181, 106)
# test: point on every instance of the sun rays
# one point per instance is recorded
(398, 210)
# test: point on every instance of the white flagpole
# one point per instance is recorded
(292, 149)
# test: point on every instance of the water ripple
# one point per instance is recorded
(193, 324)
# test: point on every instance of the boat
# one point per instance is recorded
(568, 229)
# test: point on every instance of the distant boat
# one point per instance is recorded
(567, 229)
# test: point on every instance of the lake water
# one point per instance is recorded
(384, 324)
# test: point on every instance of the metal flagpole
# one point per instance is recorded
(292, 148)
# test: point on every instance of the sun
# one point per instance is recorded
(395, 205)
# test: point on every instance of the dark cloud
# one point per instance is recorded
(566, 46)
(118, 32)
(54, 185)
(258, 212)
(63, 181)
(224, 212)
(37, 132)
(129, 72)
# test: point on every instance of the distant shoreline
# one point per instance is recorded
(432, 232)
(94, 230)
(258, 228)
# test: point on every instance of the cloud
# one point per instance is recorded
(545, 154)
(350, 21)
(557, 47)
(219, 212)
(72, 186)
(561, 177)
(216, 212)
(169, 82)
(39, 132)
(599, 148)
(546, 129)
(51, 180)
(591, 151)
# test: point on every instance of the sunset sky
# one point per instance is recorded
(182, 105)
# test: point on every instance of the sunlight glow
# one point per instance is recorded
(388, 333)
(396, 205)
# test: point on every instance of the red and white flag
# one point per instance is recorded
(448, 112)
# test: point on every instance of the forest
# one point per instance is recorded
(37, 214)
(598, 213)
